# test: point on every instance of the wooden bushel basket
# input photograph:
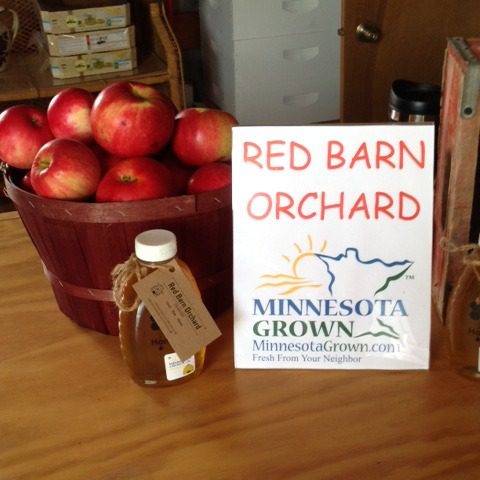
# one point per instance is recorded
(79, 243)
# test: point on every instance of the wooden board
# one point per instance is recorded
(457, 216)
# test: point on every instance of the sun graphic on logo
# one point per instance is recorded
(303, 266)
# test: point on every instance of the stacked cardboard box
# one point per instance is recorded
(88, 40)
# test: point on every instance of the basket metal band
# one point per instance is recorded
(100, 295)
(78, 291)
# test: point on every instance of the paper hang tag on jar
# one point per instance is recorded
(177, 309)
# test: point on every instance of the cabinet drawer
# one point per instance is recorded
(279, 80)
(294, 60)
(299, 109)
(245, 19)
(287, 80)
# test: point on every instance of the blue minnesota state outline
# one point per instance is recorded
(400, 267)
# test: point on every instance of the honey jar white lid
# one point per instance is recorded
(156, 245)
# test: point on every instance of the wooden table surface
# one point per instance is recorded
(69, 410)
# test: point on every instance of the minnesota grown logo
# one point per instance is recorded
(339, 329)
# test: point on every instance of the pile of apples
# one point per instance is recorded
(127, 143)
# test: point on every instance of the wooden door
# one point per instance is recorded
(411, 46)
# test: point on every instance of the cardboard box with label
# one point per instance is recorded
(93, 63)
(91, 42)
(64, 16)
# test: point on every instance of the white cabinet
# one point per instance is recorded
(272, 62)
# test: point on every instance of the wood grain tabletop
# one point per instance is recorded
(68, 409)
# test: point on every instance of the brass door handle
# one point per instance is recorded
(368, 33)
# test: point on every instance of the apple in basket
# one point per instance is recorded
(203, 135)
(132, 119)
(65, 169)
(68, 114)
(107, 159)
(26, 182)
(136, 178)
(211, 176)
(179, 172)
(23, 130)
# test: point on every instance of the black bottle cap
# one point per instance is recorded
(415, 98)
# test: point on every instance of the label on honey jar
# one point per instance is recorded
(177, 309)
(175, 368)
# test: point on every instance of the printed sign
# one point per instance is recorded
(332, 246)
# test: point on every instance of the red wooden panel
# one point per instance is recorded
(455, 219)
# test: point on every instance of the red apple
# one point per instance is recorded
(107, 159)
(26, 182)
(131, 119)
(136, 178)
(23, 130)
(68, 114)
(65, 169)
(179, 173)
(211, 176)
(203, 135)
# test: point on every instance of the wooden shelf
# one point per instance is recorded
(28, 76)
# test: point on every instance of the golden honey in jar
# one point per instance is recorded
(463, 320)
(150, 358)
